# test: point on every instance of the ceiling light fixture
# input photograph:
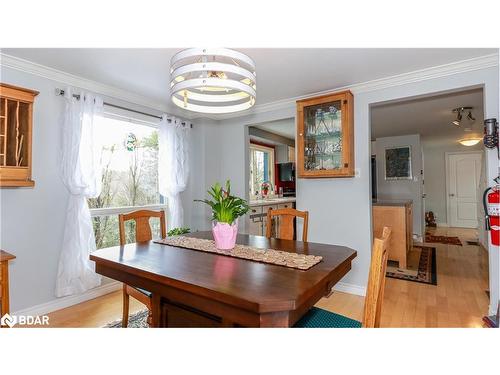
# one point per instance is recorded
(459, 112)
(212, 80)
(469, 116)
(470, 141)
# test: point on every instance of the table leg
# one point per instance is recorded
(156, 310)
(227, 323)
(278, 319)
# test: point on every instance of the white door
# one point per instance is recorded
(463, 176)
(423, 190)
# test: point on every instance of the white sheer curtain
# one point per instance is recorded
(173, 166)
(81, 173)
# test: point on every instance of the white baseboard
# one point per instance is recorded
(63, 302)
(492, 309)
(445, 225)
(350, 288)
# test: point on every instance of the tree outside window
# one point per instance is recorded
(129, 157)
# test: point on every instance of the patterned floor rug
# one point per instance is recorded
(429, 238)
(137, 320)
(421, 267)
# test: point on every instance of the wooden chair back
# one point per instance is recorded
(142, 227)
(286, 228)
(376, 280)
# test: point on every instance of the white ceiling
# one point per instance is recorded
(285, 127)
(281, 73)
(429, 116)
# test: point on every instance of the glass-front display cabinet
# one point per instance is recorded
(325, 136)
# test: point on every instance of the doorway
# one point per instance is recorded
(271, 171)
(428, 169)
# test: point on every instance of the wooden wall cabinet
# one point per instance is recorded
(325, 136)
(16, 129)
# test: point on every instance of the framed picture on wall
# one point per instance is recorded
(398, 163)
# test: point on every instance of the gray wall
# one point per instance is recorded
(205, 171)
(32, 219)
(402, 189)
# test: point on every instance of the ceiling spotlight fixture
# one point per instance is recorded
(469, 141)
(212, 80)
(469, 116)
(457, 121)
(459, 112)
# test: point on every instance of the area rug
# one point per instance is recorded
(429, 238)
(137, 320)
(421, 267)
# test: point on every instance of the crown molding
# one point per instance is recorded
(62, 77)
(463, 66)
(477, 63)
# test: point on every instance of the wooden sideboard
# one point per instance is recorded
(5, 257)
(258, 213)
(398, 215)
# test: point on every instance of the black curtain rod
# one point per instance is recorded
(60, 92)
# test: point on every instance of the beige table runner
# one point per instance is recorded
(270, 256)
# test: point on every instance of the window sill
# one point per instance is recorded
(94, 212)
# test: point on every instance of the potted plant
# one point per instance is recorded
(226, 209)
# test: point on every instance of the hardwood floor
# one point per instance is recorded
(458, 300)
(94, 313)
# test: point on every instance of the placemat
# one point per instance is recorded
(270, 256)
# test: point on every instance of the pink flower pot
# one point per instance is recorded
(225, 234)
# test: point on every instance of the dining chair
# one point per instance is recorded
(286, 228)
(142, 233)
(320, 318)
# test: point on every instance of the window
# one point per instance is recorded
(128, 152)
(261, 167)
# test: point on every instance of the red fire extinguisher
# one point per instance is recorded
(491, 202)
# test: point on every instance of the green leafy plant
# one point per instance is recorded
(178, 231)
(225, 207)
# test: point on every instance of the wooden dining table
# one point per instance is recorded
(191, 288)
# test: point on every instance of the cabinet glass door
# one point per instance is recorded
(323, 136)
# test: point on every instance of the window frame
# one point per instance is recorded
(110, 211)
(271, 150)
